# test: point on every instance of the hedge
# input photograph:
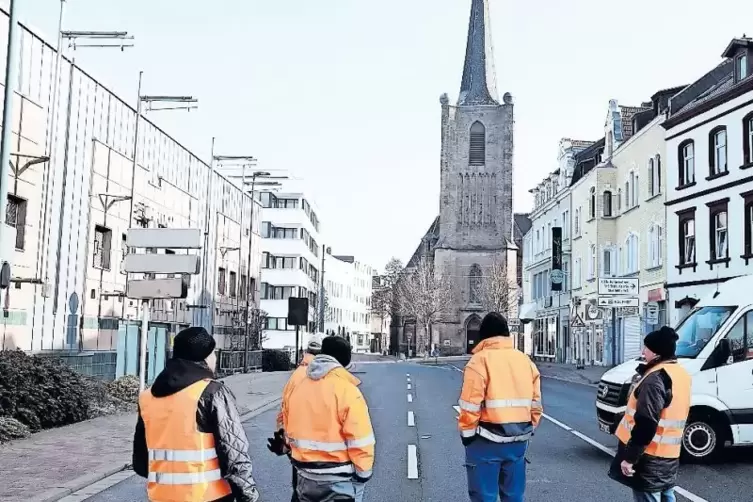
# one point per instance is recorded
(275, 360)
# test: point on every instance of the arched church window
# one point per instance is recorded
(477, 154)
(474, 280)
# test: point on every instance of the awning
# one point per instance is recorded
(527, 312)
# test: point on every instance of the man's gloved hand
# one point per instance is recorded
(277, 443)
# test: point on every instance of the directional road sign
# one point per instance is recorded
(158, 288)
(162, 263)
(613, 286)
(171, 238)
(618, 301)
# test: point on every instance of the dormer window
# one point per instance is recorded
(741, 66)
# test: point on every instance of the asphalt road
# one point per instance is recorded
(564, 466)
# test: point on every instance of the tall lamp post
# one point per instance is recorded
(176, 103)
(243, 162)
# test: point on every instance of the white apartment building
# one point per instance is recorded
(709, 134)
(636, 205)
(380, 322)
(290, 263)
(546, 312)
(348, 285)
(69, 290)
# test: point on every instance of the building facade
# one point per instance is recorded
(72, 201)
(709, 145)
(290, 263)
(348, 285)
(546, 312)
(380, 321)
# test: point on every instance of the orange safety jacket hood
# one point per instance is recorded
(322, 365)
(501, 395)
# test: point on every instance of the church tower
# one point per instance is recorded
(476, 198)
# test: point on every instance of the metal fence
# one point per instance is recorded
(97, 364)
(230, 362)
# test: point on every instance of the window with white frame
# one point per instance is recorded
(566, 225)
(636, 190)
(619, 200)
(631, 254)
(592, 262)
(592, 203)
(657, 174)
(606, 209)
(577, 273)
(549, 236)
(687, 162)
(748, 139)
(719, 235)
(655, 245)
(651, 186)
(577, 222)
(608, 262)
(718, 155)
(687, 240)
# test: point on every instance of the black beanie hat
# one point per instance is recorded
(662, 342)
(494, 324)
(193, 344)
(337, 347)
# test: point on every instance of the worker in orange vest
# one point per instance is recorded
(651, 432)
(277, 444)
(328, 428)
(189, 441)
(500, 406)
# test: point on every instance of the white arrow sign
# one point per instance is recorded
(613, 286)
(619, 301)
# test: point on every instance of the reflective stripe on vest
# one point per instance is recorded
(341, 448)
(667, 442)
(183, 463)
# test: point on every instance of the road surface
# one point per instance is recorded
(420, 457)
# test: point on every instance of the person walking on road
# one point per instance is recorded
(277, 443)
(650, 433)
(500, 407)
(189, 441)
(327, 425)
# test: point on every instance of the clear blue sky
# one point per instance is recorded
(345, 93)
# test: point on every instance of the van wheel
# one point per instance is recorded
(703, 438)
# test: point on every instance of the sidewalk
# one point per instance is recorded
(53, 463)
(590, 375)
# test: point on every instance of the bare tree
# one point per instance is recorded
(257, 321)
(498, 289)
(317, 319)
(423, 294)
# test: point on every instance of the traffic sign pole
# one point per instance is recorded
(142, 350)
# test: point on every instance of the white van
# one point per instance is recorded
(716, 346)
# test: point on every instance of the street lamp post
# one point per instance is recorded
(244, 162)
(185, 103)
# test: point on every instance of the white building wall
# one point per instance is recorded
(700, 280)
(349, 286)
(637, 162)
(170, 190)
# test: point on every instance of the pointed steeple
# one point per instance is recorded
(479, 85)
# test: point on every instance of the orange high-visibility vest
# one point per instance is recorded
(298, 375)
(183, 464)
(329, 428)
(667, 442)
(500, 386)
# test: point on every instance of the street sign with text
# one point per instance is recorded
(618, 301)
(162, 263)
(652, 313)
(170, 238)
(614, 286)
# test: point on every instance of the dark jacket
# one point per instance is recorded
(216, 414)
(652, 474)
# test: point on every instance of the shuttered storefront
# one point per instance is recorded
(632, 338)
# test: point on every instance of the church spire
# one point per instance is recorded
(479, 85)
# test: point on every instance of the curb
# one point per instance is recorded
(567, 380)
(83, 482)
(79, 484)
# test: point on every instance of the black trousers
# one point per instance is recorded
(295, 485)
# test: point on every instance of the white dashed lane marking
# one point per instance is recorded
(412, 462)
(411, 419)
(410, 398)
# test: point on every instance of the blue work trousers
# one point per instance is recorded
(496, 470)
